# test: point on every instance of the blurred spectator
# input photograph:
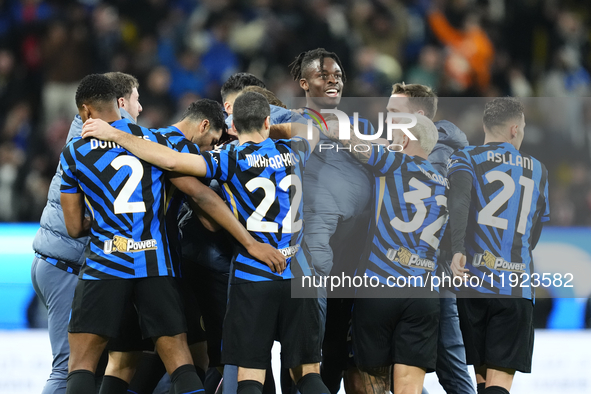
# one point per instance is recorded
(182, 49)
(470, 52)
(381, 25)
(146, 57)
(107, 35)
(375, 73)
(18, 126)
(567, 77)
(67, 58)
(187, 76)
(158, 104)
(426, 72)
(11, 81)
(11, 158)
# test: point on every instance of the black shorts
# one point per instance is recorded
(498, 332)
(195, 327)
(390, 331)
(260, 312)
(336, 346)
(130, 336)
(99, 306)
(210, 289)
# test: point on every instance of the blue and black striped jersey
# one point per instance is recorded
(263, 184)
(409, 217)
(127, 200)
(175, 199)
(509, 198)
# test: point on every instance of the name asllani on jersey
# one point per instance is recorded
(275, 162)
(507, 158)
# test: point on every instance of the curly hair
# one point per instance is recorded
(95, 89)
(305, 59)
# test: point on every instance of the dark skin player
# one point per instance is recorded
(324, 86)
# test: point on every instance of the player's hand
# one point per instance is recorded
(268, 255)
(99, 129)
(458, 266)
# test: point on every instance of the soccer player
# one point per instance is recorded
(262, 180)
(128, 256)
(200, 127)
(452, 370)
(337, 195)
(207, 255)
(234, 85)
(407, 224)
(498, 202)
(58, 257)
(128, 97)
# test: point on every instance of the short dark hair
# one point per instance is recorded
(206, 109)
(420, 97)
(269, 95)
(250, 111)
(124, 83)
(239, 81)
(305, 59)
(500, 110)
(95, 89)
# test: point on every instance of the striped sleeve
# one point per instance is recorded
(382, 161)
(68, 169)
(217, 162)
(460, 161)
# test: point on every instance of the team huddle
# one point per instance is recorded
(179, 247)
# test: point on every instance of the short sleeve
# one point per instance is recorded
(68, 171)
(218, 164)
(460, 161)
(383, 161)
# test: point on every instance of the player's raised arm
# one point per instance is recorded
(156, 154)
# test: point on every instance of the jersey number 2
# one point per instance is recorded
(255, 221)
(121, 203)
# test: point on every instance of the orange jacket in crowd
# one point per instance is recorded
(472, 52)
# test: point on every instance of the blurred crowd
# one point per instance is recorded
(181, 50)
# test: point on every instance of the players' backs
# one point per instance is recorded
(511, 197)
(126, 198)
(410, 216)
(263, 184)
